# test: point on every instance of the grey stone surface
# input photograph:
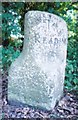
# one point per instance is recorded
(36, 77)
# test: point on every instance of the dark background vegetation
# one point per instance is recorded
(13, 24)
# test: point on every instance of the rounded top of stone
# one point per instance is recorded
(44, 14)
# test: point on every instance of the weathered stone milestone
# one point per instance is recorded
(36, 77)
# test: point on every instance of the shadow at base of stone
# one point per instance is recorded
(17, 103)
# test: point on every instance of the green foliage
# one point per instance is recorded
(10, 53)
(10, 19)
(13, 11)
(71, 81)
(0, 57)
(10, 26)
(9, 56)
